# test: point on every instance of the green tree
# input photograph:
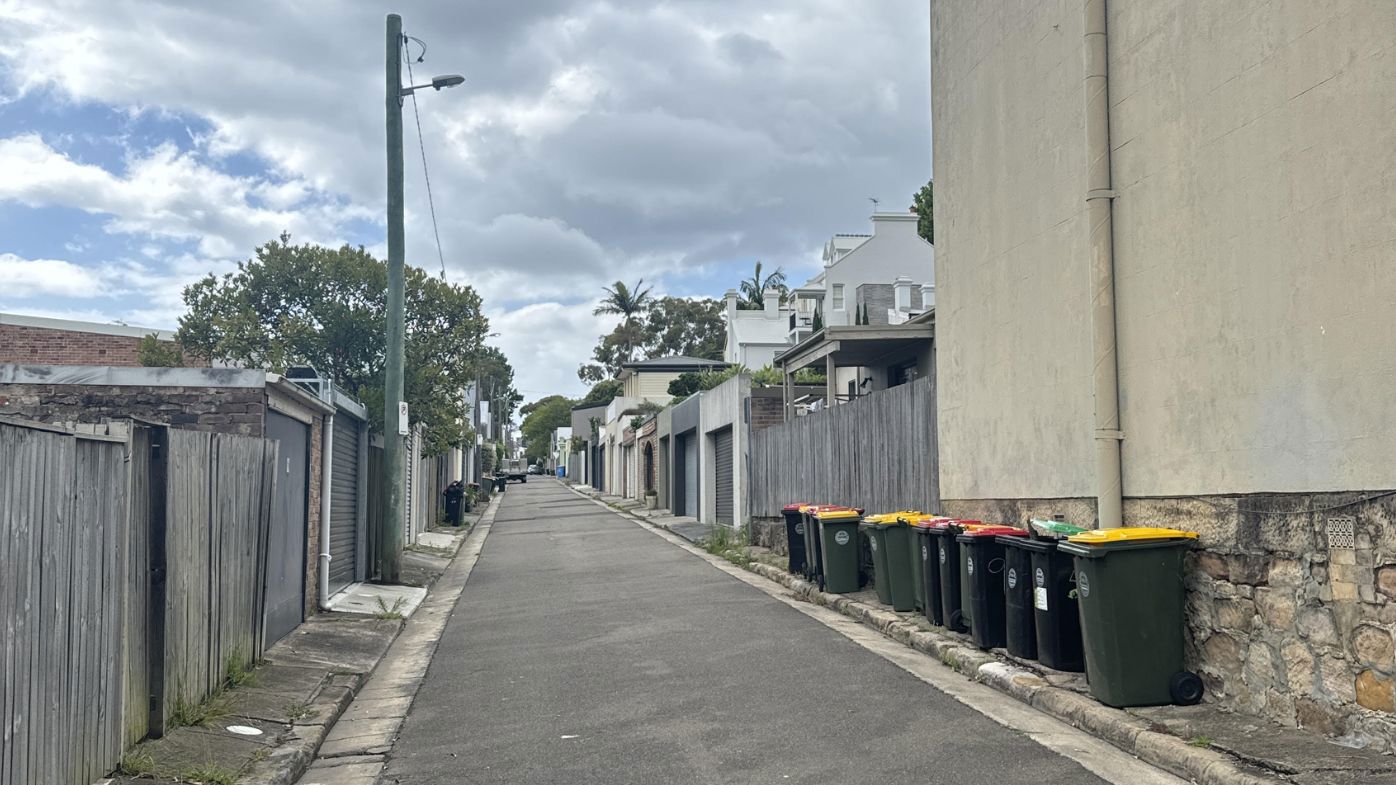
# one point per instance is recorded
(921, 203)
(687, 327)
(155, 353)
(602, 393)
(541, 419)
(629, 304)
(325, 307)
(753, 289)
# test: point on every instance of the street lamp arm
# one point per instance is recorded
(437, 83)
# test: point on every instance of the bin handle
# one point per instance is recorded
(992, 569)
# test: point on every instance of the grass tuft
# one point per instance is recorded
(386, 612)
(210, 774)
(1200, 741)
(137, 762)
(729, 543)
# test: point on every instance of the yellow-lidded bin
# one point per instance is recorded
(838, 542)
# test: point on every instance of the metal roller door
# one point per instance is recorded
(722, 443)
(344, 503)
(286, 554)
(690, 475)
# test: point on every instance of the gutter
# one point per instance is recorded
(1100, 197)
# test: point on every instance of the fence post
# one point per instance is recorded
(155, 624)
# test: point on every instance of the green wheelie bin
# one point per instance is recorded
(925, 555)
(1129, 585)
(838, 540)
(890, 540)
(943, 533)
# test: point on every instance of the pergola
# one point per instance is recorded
(849, 346)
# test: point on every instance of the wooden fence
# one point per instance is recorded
(877, 452)
(131, 576)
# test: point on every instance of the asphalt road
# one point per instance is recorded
(587, 650)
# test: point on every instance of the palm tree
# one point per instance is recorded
(627, 303)
(753, 289)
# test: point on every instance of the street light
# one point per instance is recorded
(394, 421)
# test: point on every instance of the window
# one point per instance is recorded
(838, 297)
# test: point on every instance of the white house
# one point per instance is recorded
(755, 337)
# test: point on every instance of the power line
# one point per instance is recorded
(426, 174)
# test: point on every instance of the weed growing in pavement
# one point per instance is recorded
(210, 774)
(137, 762)
(203, 712)
(394, 612)
(237, 670)
(1200, 741)
(296, 712)
(729, 543)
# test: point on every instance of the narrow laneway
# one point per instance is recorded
(587, 650)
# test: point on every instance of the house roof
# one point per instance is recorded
(858, 344)
(674, 363)
(70, 325)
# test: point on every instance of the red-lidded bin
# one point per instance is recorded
(795, 536)
(983, 573)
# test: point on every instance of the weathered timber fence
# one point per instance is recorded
(877, 452)
(132, 576)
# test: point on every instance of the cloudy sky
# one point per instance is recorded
(145, 144)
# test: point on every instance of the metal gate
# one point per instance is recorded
(722, 460)
(286, 556)
(345, 509)
(690, 475)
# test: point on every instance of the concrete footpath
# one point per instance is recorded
(587, 650)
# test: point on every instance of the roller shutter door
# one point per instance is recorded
(722, 443)
(344, 504)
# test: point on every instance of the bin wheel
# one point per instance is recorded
(1185, 688)
(956, 622)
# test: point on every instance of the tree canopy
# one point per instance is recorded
(325, 307)
(667, 326)
(753, 289)
(541, 418)
(602, 393)
(921, 204)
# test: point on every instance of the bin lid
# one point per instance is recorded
(930, 521)
(892, 517)
(812, 508)
(1129, 534)
(795, 507)
(840, 514)
(993, 531)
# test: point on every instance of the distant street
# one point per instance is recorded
(587, 650)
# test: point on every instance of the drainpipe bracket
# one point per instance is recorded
(1101, 193)
(1106, 433)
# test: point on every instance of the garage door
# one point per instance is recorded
(286, 556)
(722, 443)
(690, 475)
(344, 504)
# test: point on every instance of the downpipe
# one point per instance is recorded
(326, 475)
(1099, 215)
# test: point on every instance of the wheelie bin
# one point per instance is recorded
(814, 558)
(1129, 583)
(795, 536)
(947, 557)
(983, 576)
(1054, 609)
(838, 539)
(1020, 633)
(890, 540)
(924, 553)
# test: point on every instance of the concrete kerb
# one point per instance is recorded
(294, 756)
(1128, 733)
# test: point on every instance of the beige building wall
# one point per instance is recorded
(1012, 319)
(1255, 166)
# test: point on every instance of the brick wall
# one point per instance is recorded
(767, 408)
(238, 410)
(44, 346)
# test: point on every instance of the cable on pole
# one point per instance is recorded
(421, 145)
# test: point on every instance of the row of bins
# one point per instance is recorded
(1106, 602)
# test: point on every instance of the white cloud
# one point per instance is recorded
(34, 277)
(555, 339)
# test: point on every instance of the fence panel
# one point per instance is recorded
(878, 452)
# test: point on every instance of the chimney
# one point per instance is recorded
(730, 298)
(771, 300)
(901, 293)
(928, 296)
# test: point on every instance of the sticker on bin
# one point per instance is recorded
(969, 564)
(841, 538)
(1083, 585)
(1039, 598)
(872, 543)
(1012, 578)
(800, 527)
(925, 553)
(942, 554)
